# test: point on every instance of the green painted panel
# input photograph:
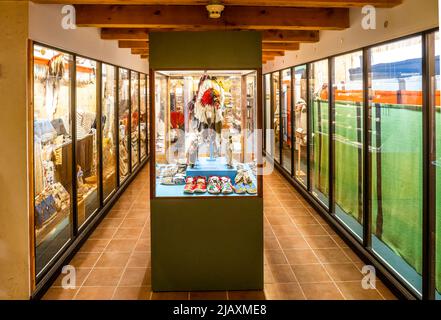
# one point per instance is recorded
(211, 50)
(207, 244)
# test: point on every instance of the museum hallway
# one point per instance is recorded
(304, 257)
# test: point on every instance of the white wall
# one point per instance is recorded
(410, 17)
(45, 27)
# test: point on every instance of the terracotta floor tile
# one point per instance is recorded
(271, 243)
(95, 293)
(297, 212)
(103, 233)
(59, 294)
(282, 273)
(138, 213)
(103, 277)
(292, 204)
(275, 257)
(311, 273)
(170, 296)
(293, 242)
(140, 260)
(113, 260)
(351, 255)
(271, 211)
(312, 230)
(128, 233)
(94, 245)
(110, 223)
(384, 291)
(331, 256)
(132, 293)
(321, 291)
(84, 260)
(121, 245)
(136, 277)
(304, 220)
(286, 230)
(267, 275)
(280, 221)
(143, 245)
(133, 223)
(117, 214)
(355, 291)
(344, 272)
(208, 295)
(246, 295)
(321, 242)
(284, 291)
(300, 256)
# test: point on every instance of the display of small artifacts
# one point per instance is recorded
(204, 122)
(123, 121)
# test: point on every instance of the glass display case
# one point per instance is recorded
(123, 120)
(143, 115)
(109, 129)
(134, 118)
(86, 155)
(205, 133)
(52, 135)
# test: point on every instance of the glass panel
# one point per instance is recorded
(301, 125)
(134, 100)
(437, 164)
(123, 115)
(286, 120)
(276, 115)
(143, 118)
(87, 144)
(109, 129)
(269, 142)
(205, 139)
(319, 148)
(148, 115)
(396, 156)
(348, 140)
(52, 153)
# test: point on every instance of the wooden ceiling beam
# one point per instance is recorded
(139, 51)
(273, 53)
(276, 3)
(133, 44)
(235, 17)
(139, 34)
(144, 56)
(280, 46)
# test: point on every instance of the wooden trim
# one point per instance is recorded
(133, 44)
(30, 85)
(268, 47)
(287, 36)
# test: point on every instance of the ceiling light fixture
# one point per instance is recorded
(215, 9)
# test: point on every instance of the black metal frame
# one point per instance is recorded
(80, 233)
(364, 248)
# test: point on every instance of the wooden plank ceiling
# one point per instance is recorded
(284, 24)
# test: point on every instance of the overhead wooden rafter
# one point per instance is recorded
(133, 44)
(234, 17)
(140, 51)
(281, 3)
(280, 46)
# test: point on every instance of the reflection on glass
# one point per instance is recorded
(86, 145)
(143, 117)
(276, 115)
(134, 100)
(436, 158)
(108, 129)
(319, 108)
(348, 140)
(300, 125)
(396, 156)
(123, 120)
(205, 125)
(286, 120)
(52, 153)
(269, 146)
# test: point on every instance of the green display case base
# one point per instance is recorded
(205, 244)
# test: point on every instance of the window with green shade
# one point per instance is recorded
(275, 103)
(348, 140)
(396, 154)
(269, 144)
(319, 122)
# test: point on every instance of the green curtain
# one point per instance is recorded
(320, 157)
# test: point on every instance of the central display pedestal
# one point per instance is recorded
(206, 168)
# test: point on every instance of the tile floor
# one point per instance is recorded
(304, 257)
